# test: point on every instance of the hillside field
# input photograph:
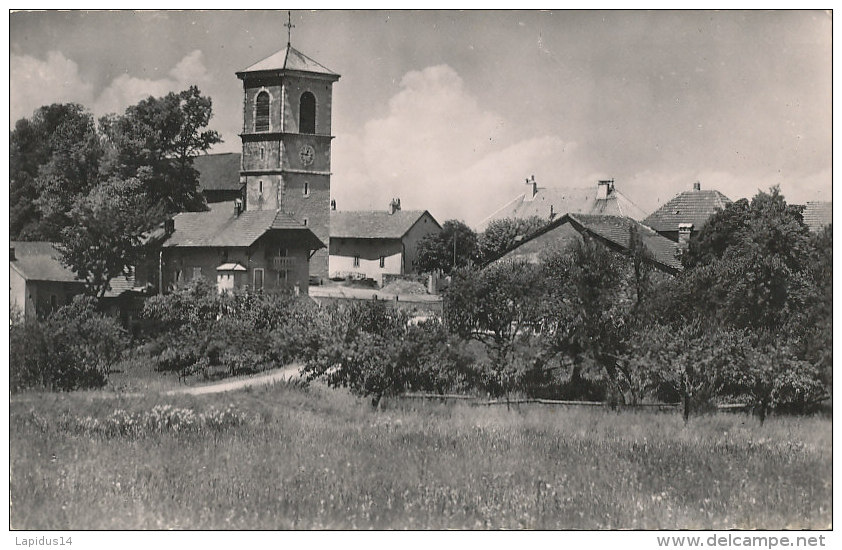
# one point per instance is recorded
(288, 457)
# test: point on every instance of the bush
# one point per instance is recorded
(73, 349)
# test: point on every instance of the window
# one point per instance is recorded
(356, 260)
(282, 277)
(260, 187)
(197, 273)
(262, 153)
(306, 188)
(382, 261)
(282, 252)
(306, 221)
(261, 112)
(307, 114)
(258, 278)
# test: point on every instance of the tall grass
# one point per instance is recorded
(317, 458)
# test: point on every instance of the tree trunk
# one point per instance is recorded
(686, 407)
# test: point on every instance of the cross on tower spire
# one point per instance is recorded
(289, 27)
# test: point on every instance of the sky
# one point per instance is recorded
(451, 111)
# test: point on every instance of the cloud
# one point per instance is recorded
(38, 82)
(126, 90)
(437, 149)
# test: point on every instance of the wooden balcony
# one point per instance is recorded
(281, 263)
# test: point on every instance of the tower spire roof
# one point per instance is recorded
(289, 59)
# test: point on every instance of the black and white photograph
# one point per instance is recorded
(431, 270)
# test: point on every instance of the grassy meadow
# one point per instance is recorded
(286, 457)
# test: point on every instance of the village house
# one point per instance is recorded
(550, 202)
(39, 283)
(686, 213)
(614, 232)
(238, 249)
(371, 244)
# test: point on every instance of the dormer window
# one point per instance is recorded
(261, 112)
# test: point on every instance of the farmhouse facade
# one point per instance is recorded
(39, 283)
(238, 249)
(371, 244)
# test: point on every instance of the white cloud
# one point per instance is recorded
(127, 90)
(38, 82)
(437, 149)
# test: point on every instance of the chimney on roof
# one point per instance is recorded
(394, 206)
(238, 207)
(604, 188)
(697, 186)
(333, 204)
(534, 185)
(684, 230)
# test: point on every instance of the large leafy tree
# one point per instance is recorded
(156, 141)
(105, 236)
(503, 234)
(454, 246)
(52, 157)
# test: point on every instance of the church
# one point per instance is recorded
(274, 235)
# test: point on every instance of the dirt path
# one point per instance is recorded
(286, 373)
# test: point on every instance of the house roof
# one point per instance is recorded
(374, 224)
(695, 206)
(41, 261)
(558, 200)
(817, 214)
(289, 59)
(614, 231)
(218, 172)
(222, 227)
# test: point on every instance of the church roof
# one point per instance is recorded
(222, 227)
(374, 224)
(696, 207)
(818, 214)
(558, 200)
(218, 172)
(289, 59)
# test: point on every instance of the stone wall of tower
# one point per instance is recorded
(312, 207)
(294, 87)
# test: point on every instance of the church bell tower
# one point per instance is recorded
(286, 141)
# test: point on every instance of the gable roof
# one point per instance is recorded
(218, 172)
(817, 214)
(558, 200)
(41, 261)
(222, 227)
(288, 59)
(614, 231)
(695, 206)
(374, 224)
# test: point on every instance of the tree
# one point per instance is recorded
(454, 246)
(52, 157)
(497, 306)
(691, 359)
(105, 238)
(588, 309)
(156, 141)
(501, 235)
